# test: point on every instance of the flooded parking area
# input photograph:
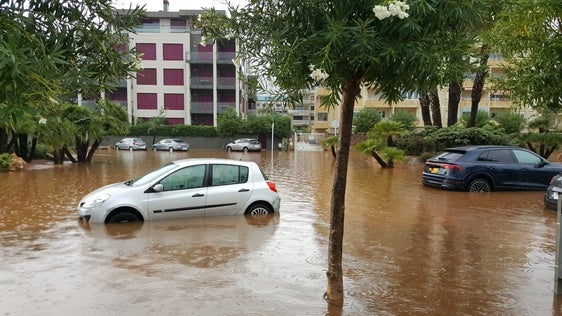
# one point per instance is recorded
(408, 249)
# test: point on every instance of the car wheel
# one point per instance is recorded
(171, 149)
(130, 148)
(245, 149)
(154, 148)
(123, 217)
(229, 149)
(479, 185)
(258, 210)
(117, 148)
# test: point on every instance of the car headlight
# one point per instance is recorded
(96, 200)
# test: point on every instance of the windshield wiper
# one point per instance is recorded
(129, 182)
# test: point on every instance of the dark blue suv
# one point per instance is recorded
(488, 168)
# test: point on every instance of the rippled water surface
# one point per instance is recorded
(408, 249)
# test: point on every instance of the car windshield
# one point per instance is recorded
(149, 177)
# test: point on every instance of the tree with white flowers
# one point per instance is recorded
(341, 45)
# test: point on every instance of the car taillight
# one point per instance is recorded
(271, 186)
(452, 167)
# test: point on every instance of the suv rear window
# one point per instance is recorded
(449, 156)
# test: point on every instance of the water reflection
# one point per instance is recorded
(408, 249)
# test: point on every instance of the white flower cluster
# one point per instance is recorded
(42, 120)
(203, 41)
(318, 75)
(394, 8)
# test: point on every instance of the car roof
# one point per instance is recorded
(480, 147)
(192, 161)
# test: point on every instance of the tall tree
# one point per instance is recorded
(341, 45)
(528, 34)
(52, 50)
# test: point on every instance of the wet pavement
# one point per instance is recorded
(408, 249)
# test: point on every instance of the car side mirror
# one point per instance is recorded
(541, 164)
(158, 187)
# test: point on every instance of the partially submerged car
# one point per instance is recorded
(131, 143)
(185, 188)
(485, 168)
(171, 145)
(244, 144)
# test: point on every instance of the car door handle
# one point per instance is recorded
(243, 190)
(198, 195)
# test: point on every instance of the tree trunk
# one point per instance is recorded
(425, 111)
(92, 150)
(435, 108)
(81, 150)
(334, 293)
(69, 154)
(379, 159)
(334, 153)
(453, 105)
(58, 156)
(478, 86)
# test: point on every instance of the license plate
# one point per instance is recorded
(433, 169)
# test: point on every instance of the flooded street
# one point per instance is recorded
(408, 249)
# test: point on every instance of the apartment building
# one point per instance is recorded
(181, 79)
(493, 102)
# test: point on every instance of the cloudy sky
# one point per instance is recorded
(175, 5)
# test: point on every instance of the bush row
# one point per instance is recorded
(173, 130)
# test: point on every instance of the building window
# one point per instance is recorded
(172, 51)
(147, 101)
(173, 101)
(175, 121)
(146, 76)
(173, 77)
(322, 117)
(147, 51)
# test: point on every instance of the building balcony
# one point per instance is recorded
(302, 122)
(300, 112)
(202, 107)
(226, 82)
(201, 82)
(199, 57)
(225, 57)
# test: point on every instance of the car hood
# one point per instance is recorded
(109, 189)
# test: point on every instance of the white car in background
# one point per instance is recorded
(185, 188)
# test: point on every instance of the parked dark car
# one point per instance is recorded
(488, 168)
(171, 145)
(551, 195)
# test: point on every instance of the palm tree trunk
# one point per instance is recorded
(453, 105)
(478, 86)
(425, 111)
(334, 293)
(379, 159)
(435, 108)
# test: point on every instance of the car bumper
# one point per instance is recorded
(443, 183)
(551, 200)
(91, 215)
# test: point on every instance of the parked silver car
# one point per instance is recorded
(131, 143)
(185, 188)
(244, 144)
(171, 145)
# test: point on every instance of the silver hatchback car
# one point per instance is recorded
(185, 188)
(131, 143)
(244, 144)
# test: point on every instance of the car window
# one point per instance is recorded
(448, 156)
(499, 155)
(228, 174)
(526, 157)
(186, 178)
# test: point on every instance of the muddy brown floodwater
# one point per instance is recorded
(408, 249)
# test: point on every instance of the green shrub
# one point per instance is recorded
(5, 161)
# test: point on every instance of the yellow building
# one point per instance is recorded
(492, 102)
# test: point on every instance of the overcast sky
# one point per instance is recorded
(175, 5)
